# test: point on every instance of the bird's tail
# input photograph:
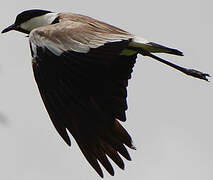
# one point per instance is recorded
(151, 47)
(146, 48)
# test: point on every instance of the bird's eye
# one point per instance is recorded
(56, 20)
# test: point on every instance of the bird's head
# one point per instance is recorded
(31, 19)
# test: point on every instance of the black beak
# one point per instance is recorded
(12, 27)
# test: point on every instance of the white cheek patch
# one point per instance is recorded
(39, 21)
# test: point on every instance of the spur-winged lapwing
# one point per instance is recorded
(82, 67)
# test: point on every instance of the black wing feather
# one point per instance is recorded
(86, 94)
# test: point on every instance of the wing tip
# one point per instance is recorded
(133, 146)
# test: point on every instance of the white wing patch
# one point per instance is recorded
(34, 49)
(45, 44)
(138, 42)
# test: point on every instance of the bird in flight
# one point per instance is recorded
(82, 67)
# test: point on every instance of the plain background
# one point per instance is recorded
(170, 115)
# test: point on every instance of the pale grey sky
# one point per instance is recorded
(170, 115)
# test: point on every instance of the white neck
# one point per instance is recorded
(39, 21)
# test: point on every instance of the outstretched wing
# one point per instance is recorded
(84, 89)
